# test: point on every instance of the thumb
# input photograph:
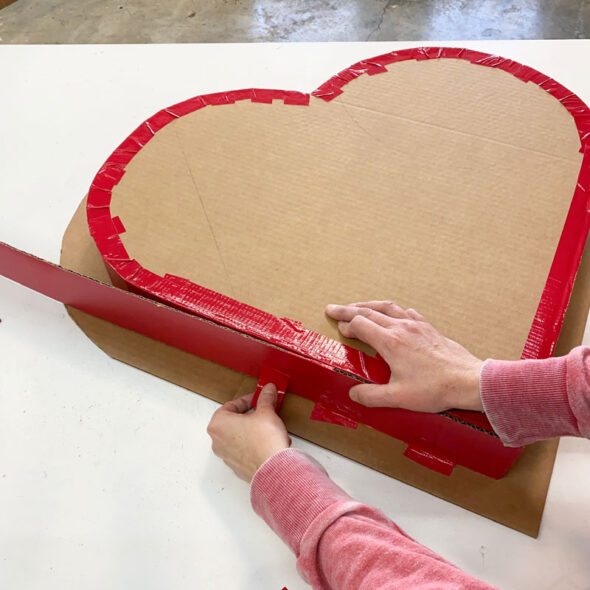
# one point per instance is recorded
(268, 397)
(370, 395)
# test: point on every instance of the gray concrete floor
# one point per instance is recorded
(172, 21)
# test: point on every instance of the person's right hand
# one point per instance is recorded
(245, 437)
(429, 373)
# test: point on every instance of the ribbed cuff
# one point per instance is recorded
(289, 491)
(578, 387)
(527, 401)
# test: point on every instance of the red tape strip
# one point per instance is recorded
(429, 459)
(327, 410)
(472, 447)
(270, 375)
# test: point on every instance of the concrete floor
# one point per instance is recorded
(148, 21)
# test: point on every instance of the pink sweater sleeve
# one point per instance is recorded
(342, 543)
(532, 400)
(339, 542)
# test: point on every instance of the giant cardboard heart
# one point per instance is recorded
(439, 183)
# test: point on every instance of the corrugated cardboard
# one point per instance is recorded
(441, 185)
(452, 206)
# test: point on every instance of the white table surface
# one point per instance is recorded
(106, 474)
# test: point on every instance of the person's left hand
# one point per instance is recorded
(245, 437)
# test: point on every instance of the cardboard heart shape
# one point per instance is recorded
(222, 168)
(333, 174)
(246, 160)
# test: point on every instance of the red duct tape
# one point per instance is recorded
(118, 225)
(270, 375)
(326, 410)
(429, 459)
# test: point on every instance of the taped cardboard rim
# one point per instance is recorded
(289, 334)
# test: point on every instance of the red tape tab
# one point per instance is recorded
(429, 459)
(118, 225)
(269, 375)
(329, 410)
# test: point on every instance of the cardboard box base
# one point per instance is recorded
(517, 500)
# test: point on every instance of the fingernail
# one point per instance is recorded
(352, 395)
(269, 388)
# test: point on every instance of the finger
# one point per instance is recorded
(364, 329)
(239, 405)
(388, 308)
(371, 395)
(268, 397)
(346, 313)
(392, 395)
(414, 315)
(345, 330)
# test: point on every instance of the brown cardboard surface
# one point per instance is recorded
(441, 185)
(453, 206)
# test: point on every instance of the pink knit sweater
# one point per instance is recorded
(342, 543)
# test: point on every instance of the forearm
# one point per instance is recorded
(532, 400)
(341, 543)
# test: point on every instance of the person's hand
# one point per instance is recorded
(245, 437)
(429, 373)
